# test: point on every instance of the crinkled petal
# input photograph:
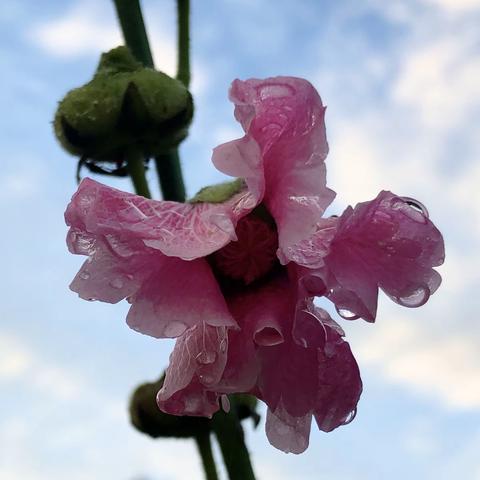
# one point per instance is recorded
(285, 117)
(179, 295)
(383, 243)
(196, 365)
(287, 433)
(183, 230)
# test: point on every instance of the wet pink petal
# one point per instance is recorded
(177, 296)
(287, 433)
(196, 365)
(182, 230)
(285, 117)
(383, 243)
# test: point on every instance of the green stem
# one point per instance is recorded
(231, 439)
(183, 33)
(205, 449)
(136, 169)
(170, 176)
(131, 20)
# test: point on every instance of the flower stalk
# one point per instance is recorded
(231, 438)
(204, 445)
(136, 170)
(183, 35)
(133, 28)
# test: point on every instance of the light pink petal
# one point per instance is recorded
(285, 117)
(383, 243)
(196, 365)
(183, 230)
(179, 295)
(287, 433)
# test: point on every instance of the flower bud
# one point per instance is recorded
(124, 104)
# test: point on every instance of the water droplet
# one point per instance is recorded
(350, 417)
(223, 345)
(116, 283)
(84, 275)
(206, 379)
(225, 402)
(91, 299)
(174, 329)
(411, 208)
(416, 299)
(346, 314)
(206, 357)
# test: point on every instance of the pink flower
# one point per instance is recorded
(235, 281)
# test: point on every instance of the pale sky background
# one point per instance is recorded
(402, 83)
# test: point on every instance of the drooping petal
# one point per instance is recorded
(384, 243)
(285, 117)
(287, 433)
(196, 365)
(177, 296)
(182, 230)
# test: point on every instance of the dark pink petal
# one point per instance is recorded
(177, 296)
(183, 230)
(383, 243)
(285, 117)
(339, 386)
(196, 365)
(287, 433)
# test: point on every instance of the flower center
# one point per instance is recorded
(252, 255)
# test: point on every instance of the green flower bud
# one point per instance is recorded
(149, 419)
(219, 193)
(123, 105)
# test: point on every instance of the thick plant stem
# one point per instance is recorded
(133, 28)
(183, 33)
(230, 436)
(136, 169)
(170, 176)
(205, 449)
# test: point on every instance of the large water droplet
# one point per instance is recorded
(206, 357)
(91, 299)
(225, 402)
(350, 417)
(411, 208)
(116, 283)
(174, 329)
(346, 314)
(416, 299)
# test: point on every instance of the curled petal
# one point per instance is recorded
(177, 296)
(196, 366)
(285, 117)
(182, 230)
(383, 243)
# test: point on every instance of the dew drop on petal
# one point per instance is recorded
(416, 299)
(416, 205)
(225, 402)
(350, 417)
(91, 299)
(116, 283)
(206, 357)
(84, 275)
(346, 314)
(411, 208)
(223, 345)
(174, 329)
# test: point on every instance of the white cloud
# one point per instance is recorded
(88, 28)
(445, 367)
(456, 6)
(440, 79)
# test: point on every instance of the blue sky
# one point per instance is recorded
(402, 83)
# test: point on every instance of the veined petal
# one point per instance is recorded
(285, 117)
(177, 296)
(182, 230)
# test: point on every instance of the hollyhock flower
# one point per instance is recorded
(234, 280)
